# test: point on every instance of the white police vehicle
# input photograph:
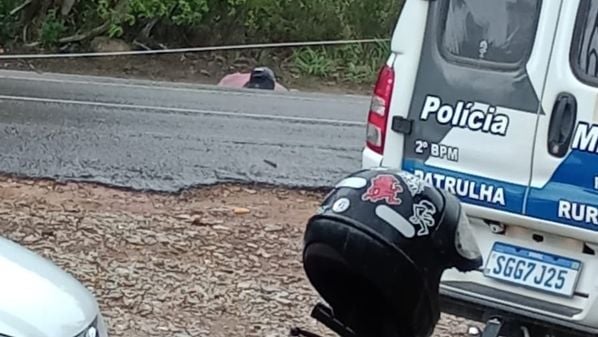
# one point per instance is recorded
(496, 101)
(38, 299)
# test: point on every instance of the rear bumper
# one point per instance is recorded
(455, 301)
(476, 297)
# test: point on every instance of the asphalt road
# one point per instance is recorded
(168, 137)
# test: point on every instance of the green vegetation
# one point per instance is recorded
(355, 63)
(52, 24)
(8, 23)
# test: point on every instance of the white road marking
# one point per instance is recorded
(181, 110)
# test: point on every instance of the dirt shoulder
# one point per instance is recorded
(188, 68)
(217, 261)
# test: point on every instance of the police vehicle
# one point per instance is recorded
(497, 103)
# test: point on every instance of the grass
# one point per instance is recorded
(358, 63)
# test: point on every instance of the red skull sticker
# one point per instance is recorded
(384, 187)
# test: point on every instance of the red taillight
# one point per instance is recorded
(378, 115)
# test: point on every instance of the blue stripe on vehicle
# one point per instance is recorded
(573, 181)
(513, 193)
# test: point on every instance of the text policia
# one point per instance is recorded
(465, 115)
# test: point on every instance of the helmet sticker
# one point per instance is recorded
(384, 187)
(396, 220)
(414, 184)
(423, 216)
(341, 205)
(379, 168)
(353, 182)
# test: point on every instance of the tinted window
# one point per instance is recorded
(496, 31)
(584, 55)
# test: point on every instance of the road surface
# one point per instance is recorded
(167, 137)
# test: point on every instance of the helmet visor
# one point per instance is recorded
(465, 243)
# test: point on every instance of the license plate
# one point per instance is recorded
(533, 269)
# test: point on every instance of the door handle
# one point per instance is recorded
(562, 125)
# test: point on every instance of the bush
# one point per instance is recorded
(353, 63)
(8, 23)
(220, 22)
(52, 29)
(226, 20)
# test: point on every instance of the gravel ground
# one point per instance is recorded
(217, 261)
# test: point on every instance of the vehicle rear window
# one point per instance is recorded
(584, 49)
(499, 32)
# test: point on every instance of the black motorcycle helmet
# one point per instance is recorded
(377, 248)
(261, 78)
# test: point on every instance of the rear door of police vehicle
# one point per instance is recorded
(476, 98)
(564, 188)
